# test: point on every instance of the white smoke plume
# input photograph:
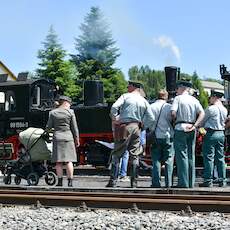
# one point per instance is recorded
(166, 42)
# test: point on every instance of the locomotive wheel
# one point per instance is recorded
(32, 179)
(17, 180)
(50, 178)
(7, 179)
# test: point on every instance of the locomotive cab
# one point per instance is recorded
(23, 103)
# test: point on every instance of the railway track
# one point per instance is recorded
(111, 199)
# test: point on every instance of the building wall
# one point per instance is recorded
(5, 70)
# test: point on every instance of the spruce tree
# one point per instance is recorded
(54, 66)
(96, 54)
(96, 40)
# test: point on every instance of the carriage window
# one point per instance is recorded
(2, 101)
(36, 96)
(7, 101)
(10, 102)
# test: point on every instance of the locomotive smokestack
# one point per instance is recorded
(93, 92)
(172, 74)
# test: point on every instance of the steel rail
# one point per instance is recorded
(172, 202)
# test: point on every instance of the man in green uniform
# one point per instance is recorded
(213, 146)
(187, 113)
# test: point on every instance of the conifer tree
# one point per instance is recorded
(96, 40)
(203, 96)
(96, 54)
(54, 66)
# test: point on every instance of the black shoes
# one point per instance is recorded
(206, 185)
(222, 184)
(111, 184)
(133, 183)
(60, 180)
(70, 182)
(155, 186)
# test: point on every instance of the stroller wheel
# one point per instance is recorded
(32, 179)
(7, 179)
(17, 180)
(50, 178)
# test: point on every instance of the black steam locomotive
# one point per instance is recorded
(26, 103)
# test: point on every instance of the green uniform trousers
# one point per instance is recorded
(184, 145)
(163, 152)
(213, 151)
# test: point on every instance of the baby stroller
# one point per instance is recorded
(30, 163)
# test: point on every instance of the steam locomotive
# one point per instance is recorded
(26, 103)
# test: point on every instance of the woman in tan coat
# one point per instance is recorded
(65, 138)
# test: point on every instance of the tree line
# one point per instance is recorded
(94, 57)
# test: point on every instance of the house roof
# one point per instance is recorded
(212, 85)
(6, 70)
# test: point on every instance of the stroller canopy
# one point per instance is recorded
(36, 146)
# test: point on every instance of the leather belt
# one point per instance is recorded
(213, 130)
(131, 122)
(188, 122)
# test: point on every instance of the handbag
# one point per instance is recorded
(151, 138)
(151, 135)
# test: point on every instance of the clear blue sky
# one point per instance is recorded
(193, 35)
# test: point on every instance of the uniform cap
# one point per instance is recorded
(216, 94)
(65, 98)
(136, 84)
(184, 84)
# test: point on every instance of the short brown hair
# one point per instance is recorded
(163, 94)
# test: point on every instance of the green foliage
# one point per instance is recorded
(96, 41)
(52, 57)
(203, 96)
(68, 81)
(54, 66)
(96, 55)
(114, 86)
(93, 69)
(197, 85)
(152, 80)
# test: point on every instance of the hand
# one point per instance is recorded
(116, 122)
(77, 142)
(189, 128)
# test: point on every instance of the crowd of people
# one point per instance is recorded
(172, 127)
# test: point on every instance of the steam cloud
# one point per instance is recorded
(167, 43)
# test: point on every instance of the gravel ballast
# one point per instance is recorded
(25, 217)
